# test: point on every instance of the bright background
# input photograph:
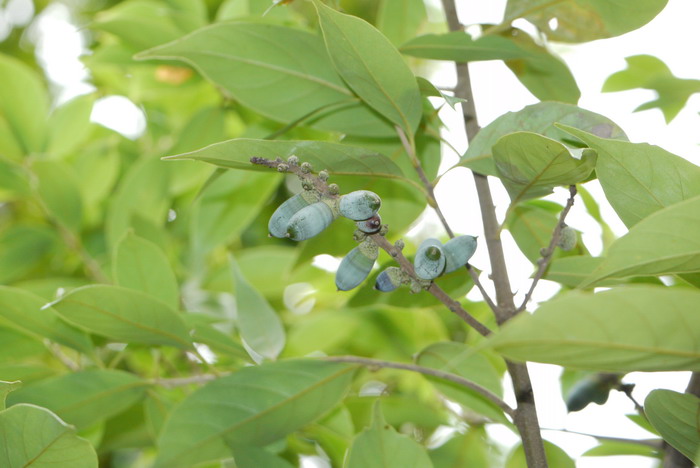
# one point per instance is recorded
(670, 37)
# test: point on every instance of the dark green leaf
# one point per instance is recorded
(124, 315)
(380, 446)
(677, 418)
(253, 406)
(35, 437)
(372, 67)
(584, 20)
(84, 398)
(620, 330)
(537, 118)
(531, 165)
(141, 265)
(639, 178)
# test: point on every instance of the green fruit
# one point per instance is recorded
(310, 221)
(568, 238)
(429, 261)
(371, 225)
(356, 266)
(280, 218)
(591, 389)
(458, 251)
(359, 205)
(388, 280)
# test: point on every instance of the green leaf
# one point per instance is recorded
(429, 89)
(69, 125)
(572, 271)
(24, 103)
(648, 72)
(583, 20)
(619, 330)
(545, 75)
(254, 457)
(86, 397)
(335, 158)
(639, 178)
(28, 313)
(537, 118)
(677, 418)
(372, 67)
(253, 406)
(667, 241)
(462, 360)
(58, 191)
(141, 265)
(556, 457)
(380, 446)
(460, 47)
(472, 449)
(203, 331)
(259, 324)
(531, 165)
(35, 437)
(614, 448)
(23, 248)
(124, 315)
(283, 73)
(5, 389)
(399, 20)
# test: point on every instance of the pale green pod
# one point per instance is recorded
(371, 225)
(429, 262)
(280, 218)
(309, 221)
(388, 280)
(359, 205)
(568, 238)
(458, 251)
(356, 266)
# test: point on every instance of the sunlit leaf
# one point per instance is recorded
(253, 406)
(372, 67)
(677, 418)
(620, 330)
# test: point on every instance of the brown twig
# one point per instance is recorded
(543, 262)
(428, 371)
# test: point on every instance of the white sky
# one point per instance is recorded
(671, 37)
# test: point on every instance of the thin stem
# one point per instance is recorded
(376, 363)
(544, 261)
(475, 278)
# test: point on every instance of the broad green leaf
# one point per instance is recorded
(253, 406)
(18, 347)
(399, 20)
(254, 457)
(614, 448)
(429, 89)
(472, 449)
(639, 178)
(69, 125)
(619, 330)
(677, 418)
(58, 190)
(531, 165)
(556, 457)
(532, 223)
(333, 433)
(572, 271)
(218, 218)
(461, 360)
(583, 20)
(141, 265)
(667, 241)
(372, 67)
(282, 73)
(335, 158)
(259, 325)
(545, 75)
(380, 446)
(124, 315)
(537, 118)
(35, 437)
(648, 72)
(28, 313)
(23, 248)
(86, 397)
(460, 47)
(5, 389)
(24, 104)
